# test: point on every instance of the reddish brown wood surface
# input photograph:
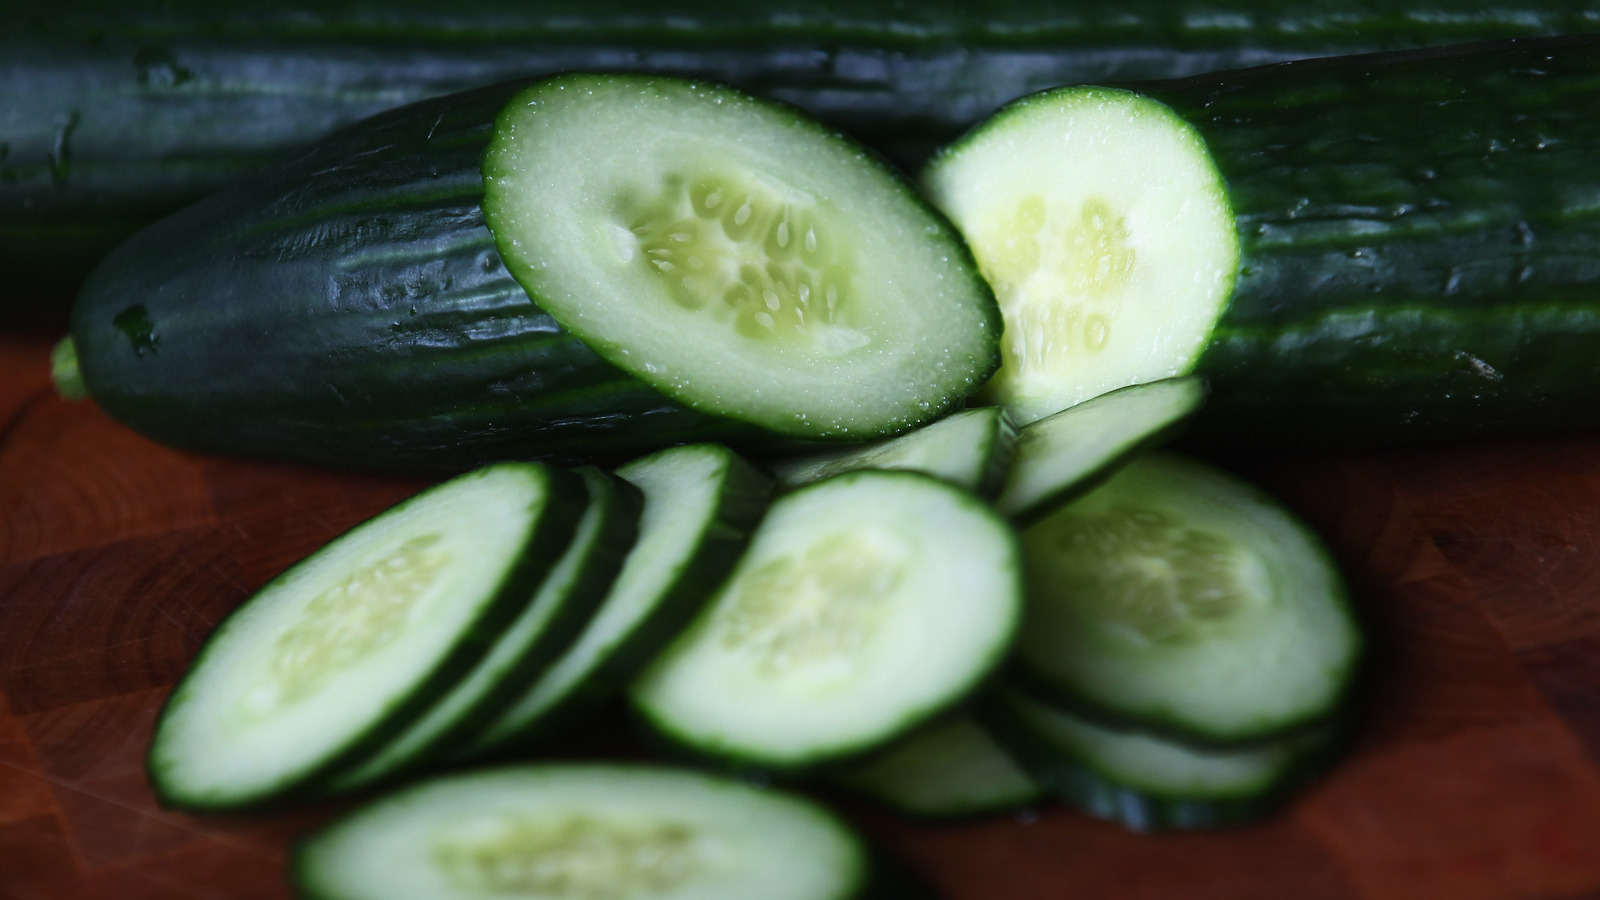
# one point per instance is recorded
(1476, 773)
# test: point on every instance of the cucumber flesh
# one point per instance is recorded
(1176, 596)
(1147, 782)
(866, 604)
(971, 448)
(949, 768)
(563, 605)
(736, 255)
(342, 650)
(1059, 457)
(1105, 229)
(585, 831)
(701, 503)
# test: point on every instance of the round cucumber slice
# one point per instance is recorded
(585, 831)
(1179, 597)
(1104, 226)
(866, 604)
(736, 255)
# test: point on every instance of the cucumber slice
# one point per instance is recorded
(701, 502)
(1064, 455)
(1176, 596)
(1103, 224)
(585, 831)
(1144, 781)
(971, 448)
(947, 769)
(736, 255)
(564, 604)
(335, 655)
(865, 604)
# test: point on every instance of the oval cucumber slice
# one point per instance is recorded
(701, 503)
(585, 831)
(866, 604)
(1101, 221)
(1179, 597)
(736, 255)
(333, 656)
(971, 448)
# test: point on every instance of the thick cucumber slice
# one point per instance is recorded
(1147, 782)
(971, 448)
(564, 604)
(1177, 596)
(1104, 227)
(701, 503)
(866, 603)
(1061, 456)
(335, 655)
(946, 769)
(585, 831)
(736, 255)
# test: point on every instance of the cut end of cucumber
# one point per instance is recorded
(1101, 221)
(736, 255)
(64, 371)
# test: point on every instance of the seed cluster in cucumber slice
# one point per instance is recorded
(736, 255)
(866, 603)
(1100, 219)
(586, 831)
(1177, 594)
(336, 654)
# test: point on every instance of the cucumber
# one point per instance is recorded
(1059, 457)
(1365, 250)
(701, 503)
(564, 604)
(948, 769)
(335, 656)
(114, 114)
(971, 449)
(586, 831)
(349, 307)
(866, 604)
(1180, 598)
(1147, 782)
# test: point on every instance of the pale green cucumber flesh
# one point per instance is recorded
(564, 603)
(1063, 455)
(1103, 225)
(971, 448)
(701, 502)
(736, 255)
(866, 604)
(948, 768)
(343, 649)
(1180, 597)
(584, 831)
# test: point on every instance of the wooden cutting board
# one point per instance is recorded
(1476, 773)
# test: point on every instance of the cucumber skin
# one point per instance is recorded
(348, 308)
(119, 113)
(1419, 240)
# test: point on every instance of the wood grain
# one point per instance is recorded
(1476, 772)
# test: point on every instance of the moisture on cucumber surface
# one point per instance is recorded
(736, 255)
(866, 604)
(585, 832)
(1180, 597)
(335, 655)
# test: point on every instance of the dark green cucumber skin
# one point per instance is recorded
(1420, 237)
(114, 113)
(1094, 793)
(564, 505)
(745, 494)
(348, 308)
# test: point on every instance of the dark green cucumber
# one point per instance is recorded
(1403, 245)
(350, 307)
(114, 113)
